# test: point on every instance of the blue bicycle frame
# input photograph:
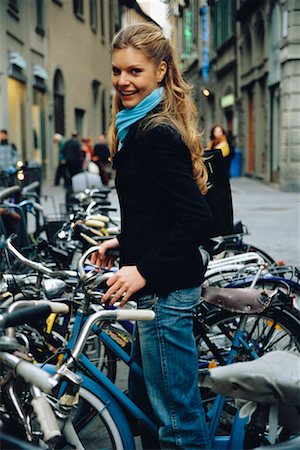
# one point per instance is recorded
(232, 442)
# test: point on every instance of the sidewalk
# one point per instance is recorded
(271, 216)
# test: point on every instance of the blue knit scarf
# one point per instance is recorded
(126, 117)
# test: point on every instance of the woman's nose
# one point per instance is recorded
(123, 79)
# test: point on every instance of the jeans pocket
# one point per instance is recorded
(146, 302)
(183, 298)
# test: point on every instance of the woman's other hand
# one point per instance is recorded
(101, 259)
(126, 281)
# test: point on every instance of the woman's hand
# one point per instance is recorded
(127, 281)
(100, 258)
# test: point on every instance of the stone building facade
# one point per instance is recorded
(245, 69)
(55, 70)
(268, 46)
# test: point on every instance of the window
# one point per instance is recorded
(114, 18)
(93, 15)
(111, 20)
(103, 111)
(102, 20)
(78, 9)
(59, 103)
(223, 14)
(79, 120)
(13, 8)
(40, 26)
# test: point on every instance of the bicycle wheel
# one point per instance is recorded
(100, 424)
(277, 328)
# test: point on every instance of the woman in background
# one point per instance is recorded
(219, 140)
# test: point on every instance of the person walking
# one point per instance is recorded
(101, 157)
(72, 158)
(161, 181)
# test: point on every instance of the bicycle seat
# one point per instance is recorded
(292, 444)
(273, 378)
(239, 300)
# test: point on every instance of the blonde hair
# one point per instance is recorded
(178, 108)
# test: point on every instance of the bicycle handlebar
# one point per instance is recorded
(30, 373)
(89, 251)
(39, 267)
(30, 313)
(9, 192)
(116, 314)
(30, 187)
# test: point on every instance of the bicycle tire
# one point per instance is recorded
(97, 403)
(278, 327)
(100, 426)
(281, 318)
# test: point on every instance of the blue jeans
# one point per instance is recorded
(170, 365)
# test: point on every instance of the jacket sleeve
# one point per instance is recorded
(167, 162)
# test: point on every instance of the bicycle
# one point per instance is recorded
(236, 334)
(54, 413)
(261, 387)
(126, 404)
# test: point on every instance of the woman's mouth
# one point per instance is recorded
(127, 93)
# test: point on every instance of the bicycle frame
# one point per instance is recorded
(122, 399)
(235, 440)
(237, 436)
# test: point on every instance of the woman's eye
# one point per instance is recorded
(135, 71)
(115, 71)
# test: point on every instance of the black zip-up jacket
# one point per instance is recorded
(164, 217)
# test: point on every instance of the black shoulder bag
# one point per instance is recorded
(219, 194)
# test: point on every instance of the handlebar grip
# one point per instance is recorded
(30, 187)
(59, 308)
(29, 372)
(38, 207)
(46, 419)
(135, 314)
(24, 315)
(9, 192)
(31, 313)
(35, 376)
(108, 208)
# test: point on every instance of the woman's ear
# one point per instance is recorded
(161, 71)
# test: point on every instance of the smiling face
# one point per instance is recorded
(134, 76)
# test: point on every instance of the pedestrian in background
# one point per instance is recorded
(60, 171)
(160, 180)
(72, 157)
(8, 152)
(101, 157)
(87, 151)
(219, 140)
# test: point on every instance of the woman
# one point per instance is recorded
(218, 140)
(160, 179)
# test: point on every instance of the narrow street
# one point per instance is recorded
(271, 216)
